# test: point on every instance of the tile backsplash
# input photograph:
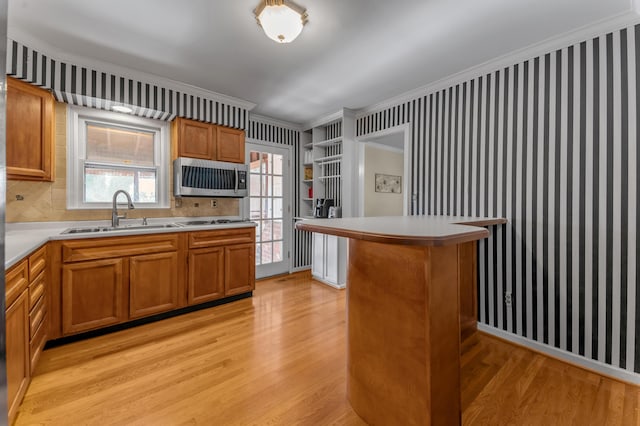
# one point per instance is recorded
(46, 201)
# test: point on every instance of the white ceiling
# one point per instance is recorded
(352, 53)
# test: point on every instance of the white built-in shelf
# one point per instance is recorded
(329, 159)
(302, 217)
(329, 142)
(307, 199)
(330, 177)
(308, 145)
(307, 164)
(308, 181)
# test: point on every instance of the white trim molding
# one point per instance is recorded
(589, 364)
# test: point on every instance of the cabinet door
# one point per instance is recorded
(30, 132)
(153, 284)
(93, 295)
(17, 352)
(206, 275)
(196, 139)
(239, 269)
(230, 144)
(317, 262)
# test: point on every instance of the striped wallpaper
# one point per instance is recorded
(280, 135)
(78, 85)
(551, 144)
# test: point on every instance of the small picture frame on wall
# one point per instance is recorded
(388, 183)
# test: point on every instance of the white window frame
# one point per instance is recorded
(78, 117)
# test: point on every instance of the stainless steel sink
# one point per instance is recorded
(85, 230)
(166, 225)
(121, 228)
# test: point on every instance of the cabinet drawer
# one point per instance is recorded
(36, 345)
(221, 237)
(16, 281)
(110, 247)
(37, 262)
(36, 290)
(37, 316)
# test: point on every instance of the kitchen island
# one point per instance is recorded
(403, 332)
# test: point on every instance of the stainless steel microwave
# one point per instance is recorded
(204, 178)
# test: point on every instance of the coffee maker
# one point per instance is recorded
(322, 207)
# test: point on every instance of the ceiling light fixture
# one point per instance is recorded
(281, 20)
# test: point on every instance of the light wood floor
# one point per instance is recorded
(279, 359)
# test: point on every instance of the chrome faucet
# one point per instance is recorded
(115, 219)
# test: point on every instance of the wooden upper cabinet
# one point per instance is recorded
(194, 139)
(30, 132)
(230, 144)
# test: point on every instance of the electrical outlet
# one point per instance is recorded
(196, 204)
(214, 203)
(507, 298)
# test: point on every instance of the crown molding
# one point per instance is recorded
(569, 38)
(343, 112)
(275, 122)
(102, 66)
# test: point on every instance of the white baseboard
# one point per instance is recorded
(589, 364)
(338, 286)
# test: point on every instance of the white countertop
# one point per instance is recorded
(23, 238)
(419, 230)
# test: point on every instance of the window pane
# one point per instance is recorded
(267, 212)
(146, 191)
(277, 186)
(266, 163)
(254, 208)
(277, 164)
(266, 186)
(254, 162)
(258, 229)
(266, 253)
(277, 251)
(101, 182)
(258, 254)
(277, 229)
(119, 145)
(254, 185)
(277, 207)
(266, 230)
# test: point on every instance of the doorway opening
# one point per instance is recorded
(384, 173)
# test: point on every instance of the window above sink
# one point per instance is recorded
(108, 151)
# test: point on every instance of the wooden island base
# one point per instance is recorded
(404, 313)
(403, 364)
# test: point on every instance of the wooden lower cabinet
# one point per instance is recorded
(17, 352)
(206, 275)
(153, 284)
(93, 295)
(239, 269)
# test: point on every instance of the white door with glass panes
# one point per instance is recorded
(269, 206)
